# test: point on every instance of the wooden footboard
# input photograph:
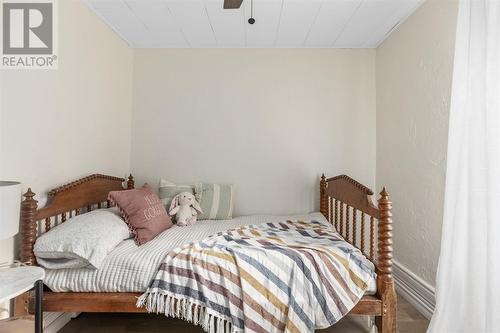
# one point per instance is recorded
(348, 205)
(125, 302)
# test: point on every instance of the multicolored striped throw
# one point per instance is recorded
(291, 276)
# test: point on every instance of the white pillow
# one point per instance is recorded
(82, 241)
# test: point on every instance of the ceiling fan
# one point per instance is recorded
(232, 4)
(235, 4)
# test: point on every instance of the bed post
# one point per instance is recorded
(323, 200)
(386, 323)
(28, 227)
(130, 182)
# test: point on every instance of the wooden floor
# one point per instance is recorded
(409, 321)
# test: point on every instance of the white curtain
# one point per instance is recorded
(468, 279)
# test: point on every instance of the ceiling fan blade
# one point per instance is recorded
(232, 4)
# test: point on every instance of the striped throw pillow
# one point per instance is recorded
(216, 201)
(167, 191)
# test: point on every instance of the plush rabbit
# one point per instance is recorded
(185, 208)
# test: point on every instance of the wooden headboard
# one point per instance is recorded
(348, 205)
(75, 198)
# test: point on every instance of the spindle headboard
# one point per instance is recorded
(75, 198)
(348, 205)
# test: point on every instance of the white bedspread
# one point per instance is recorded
(129, 268)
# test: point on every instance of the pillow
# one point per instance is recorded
(215, 200)
(167, 191)
(143, 211)
(82, 241)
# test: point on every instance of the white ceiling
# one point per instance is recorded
(279, 23)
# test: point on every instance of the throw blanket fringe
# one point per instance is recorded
(184, 309)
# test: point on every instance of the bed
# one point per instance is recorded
(344, 203)
(130, 268)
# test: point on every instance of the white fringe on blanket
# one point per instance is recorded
(186, 310)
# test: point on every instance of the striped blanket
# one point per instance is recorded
(291, 276)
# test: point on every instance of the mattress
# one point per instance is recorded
(130, 268)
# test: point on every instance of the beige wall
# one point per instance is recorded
(65, 123)
(414, 71)
(268, 120)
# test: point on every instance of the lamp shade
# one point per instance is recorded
(10, 204)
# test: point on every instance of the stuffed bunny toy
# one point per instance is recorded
(185, 208)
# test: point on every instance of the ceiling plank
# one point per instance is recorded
(227, 24)
(403, 9)
(279, 23)
(121, 18)
(267, 15)
(162, 30)
(370, 23)
(297, 18)
(192, 19)
(331, 20)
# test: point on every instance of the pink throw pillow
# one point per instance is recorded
(143, 211)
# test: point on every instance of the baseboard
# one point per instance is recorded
(415, 290)
(54, 321)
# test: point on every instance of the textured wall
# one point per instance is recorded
(268, 120)
(414, 71)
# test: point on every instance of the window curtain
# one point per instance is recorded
(468, 278)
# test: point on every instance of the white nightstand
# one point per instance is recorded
(18, 280)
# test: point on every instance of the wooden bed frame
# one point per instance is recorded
(344, 202)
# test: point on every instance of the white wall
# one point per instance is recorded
(62, 124)
(414, 71)
(267, 120)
